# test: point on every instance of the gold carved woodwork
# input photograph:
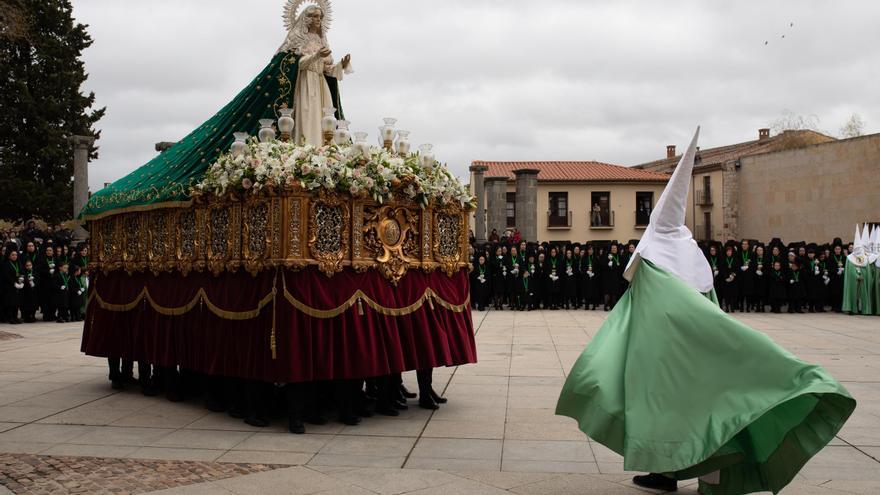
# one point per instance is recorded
(291, 228)
(449, 229)
(390, 235)
(329, 228)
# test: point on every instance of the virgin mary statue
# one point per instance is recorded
(307, 39)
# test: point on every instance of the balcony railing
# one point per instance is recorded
(601, 220)
(704, 197)
(702, 232)
(555, 221)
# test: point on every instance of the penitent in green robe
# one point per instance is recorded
(677, 386)
(858, 289)
(875, 269)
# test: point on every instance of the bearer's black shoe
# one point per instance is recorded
(257, 421)
(656, 482)
(400, 406)
(436, 397)
(316, 420)
(149, 390)
(406, 393)
(386, 410)
(349, 419)
(117, 385)
(235, 412)
(428, 403)
(296, 426)
(215, 405)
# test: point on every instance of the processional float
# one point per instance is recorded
(298, 257)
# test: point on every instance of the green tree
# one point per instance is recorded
(41, 107)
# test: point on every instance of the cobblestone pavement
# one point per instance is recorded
(497, 434)
(40, 474)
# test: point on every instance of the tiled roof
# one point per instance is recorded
(722, 154)
(573, 171)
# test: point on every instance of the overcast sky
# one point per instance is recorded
(498, 80)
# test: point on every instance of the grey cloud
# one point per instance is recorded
(611, 81)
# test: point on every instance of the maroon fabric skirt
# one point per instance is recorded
(283, 326)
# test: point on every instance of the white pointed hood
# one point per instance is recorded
(667, 242)
(873, 243)
(859, 255)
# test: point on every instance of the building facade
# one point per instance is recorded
(796, 185)
(564, 201)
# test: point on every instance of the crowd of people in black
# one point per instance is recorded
(749, 275)
(45, 271)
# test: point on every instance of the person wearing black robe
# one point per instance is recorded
(13, 282)
(836, 266)
(612, 274)
(815, 275)
(712, 257)
(526, 292)
(542, 281)
(82, 257)
(796, 287)
(777, 289)
(29, 293)
(30, 253)
(536, 272)
(624, 262)
(498, 269)
(746, 278)
(60, 287)
(729, 269)
(554, 269)
(761, 276)
(46, 270)
(578, 256)
(515, 264)
(825, 275)
(480, 280)
(76, 293)
(571, 276)
(590, 279)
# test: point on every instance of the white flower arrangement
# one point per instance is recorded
(339, 168)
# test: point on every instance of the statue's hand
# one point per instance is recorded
(346, 60)
(324, 52)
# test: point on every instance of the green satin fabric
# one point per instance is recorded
(676, 386)
(168, 177)
(858, 297)
(876, 276)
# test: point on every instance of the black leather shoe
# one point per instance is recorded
(117, 385)
(257, 421)
(316, 420)
(428, 404)
(296, 426)
(436, 397)
(406, 393)
(350, 420)
(656, 481)
(386, 410)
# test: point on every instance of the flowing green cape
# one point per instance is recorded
(677, 386)
(876, 275)
(857, 294)
(166, 180)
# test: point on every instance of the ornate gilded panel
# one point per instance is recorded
(258, 231)
(275, 229)
(188, 245)
(329, 225)
(448, 230)
(390, 236)
(134, 235)
(160, 240)
(219, 232)
(235, 235)
(294, 231)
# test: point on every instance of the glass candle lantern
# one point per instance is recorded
(285, 123)
(360, 144)
(267, 132)
(342, 136)
(403, 145)
(426, 156)
(240, 143)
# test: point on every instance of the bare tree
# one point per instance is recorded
(853, 127)
(789, 121)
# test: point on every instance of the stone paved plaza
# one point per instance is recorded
(65, 430)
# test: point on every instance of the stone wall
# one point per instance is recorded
(814, 193)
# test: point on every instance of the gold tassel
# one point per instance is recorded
(360, 307)
(274, 307)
